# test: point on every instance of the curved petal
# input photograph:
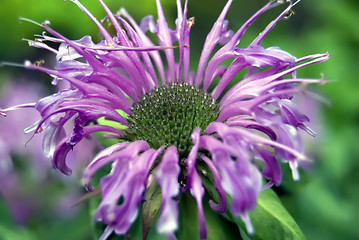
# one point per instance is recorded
(221, 207)
(63, 148)
(167, 177)
(123, 188)
(100, 160)
(194, 182)
(240, 178)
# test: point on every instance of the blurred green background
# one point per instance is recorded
(324, 202)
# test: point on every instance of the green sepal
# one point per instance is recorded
(151, 207)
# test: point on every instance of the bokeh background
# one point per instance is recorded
(324, 203)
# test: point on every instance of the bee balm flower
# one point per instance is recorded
(178, 127)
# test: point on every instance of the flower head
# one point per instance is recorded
(176, 127)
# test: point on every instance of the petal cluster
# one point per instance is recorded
(257, 120)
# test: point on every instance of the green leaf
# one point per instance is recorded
(271, 220)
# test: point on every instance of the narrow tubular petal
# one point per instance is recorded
(101, 159)
(221, 207)
(250, 123)
(272, 169)
(197, 191)
(63, 147)
(91, 112)
(147, 42)
(119, 101)
(247, 107)
(102, 30)
(183, 29)
(107, 156)
(288, 146)
(54, 133)
(149, 82)
(271, 25)
(291, 114)
(238, 35)
(164, 37)
(4, 111)
(167, 177)
(223, 130)
(240, 178)
(98, 66)
(237, 90)
(40, 45)
(194, 182)
(123, 188)
(227, 49)
(136, 70)
(228, 75)
(211, 41)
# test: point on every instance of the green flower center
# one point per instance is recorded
(168, 115)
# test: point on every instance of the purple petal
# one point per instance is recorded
(226, 35)
(240, 178)
(272, 168)
(227, 50)
(74, 69)
(101, 159)
(128, 150)
(251, 123)
(147, 42)
(224, 130)
(126, 181)
(167, 177)
(147, 23)
(289, 136)
(66, 53)
(221, 207)
(291, 115)
(211, 41)
(164, 37)
(194, 182)
(53, 135)
(99, 25)
(63, 148)
(183, 30)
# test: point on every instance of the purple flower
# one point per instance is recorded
(175, 122)
(23, 202)
(12, 141)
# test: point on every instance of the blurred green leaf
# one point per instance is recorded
(7, 233)
(76, 227)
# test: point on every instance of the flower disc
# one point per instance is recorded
(168, 115)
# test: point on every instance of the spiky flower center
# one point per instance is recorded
(168, 115)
